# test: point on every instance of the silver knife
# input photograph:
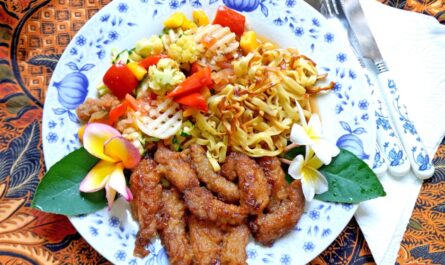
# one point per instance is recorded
(418, 156)
(388, 146)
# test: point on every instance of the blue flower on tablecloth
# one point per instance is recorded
(132, 262)
(341, 57)
(408, 126)
(363, 104)
(73, 51)
(314, 215)
(291, 3)
(122, 7)
(365, 117)
(308, 246)
(285, 259)
(299, 31)
(252, 254)
(338, 109)
(114, 221)
(120, 255)
(52, 124)
(328, 37)
(81, 40)
(113, 35)
(52, 137)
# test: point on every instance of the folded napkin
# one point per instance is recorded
(413, 45)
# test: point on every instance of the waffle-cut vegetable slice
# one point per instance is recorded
(162, 120)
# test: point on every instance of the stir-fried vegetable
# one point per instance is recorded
(227, 17)
(194, 83)
(120, 80)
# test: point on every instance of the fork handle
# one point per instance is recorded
(416, 151)
(390, 145)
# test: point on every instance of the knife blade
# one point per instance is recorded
(420, 161)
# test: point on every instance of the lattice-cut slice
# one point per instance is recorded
(162, 120)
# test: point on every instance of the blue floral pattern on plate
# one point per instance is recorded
(345, 113)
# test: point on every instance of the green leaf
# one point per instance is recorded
(350, 180)
(58, 191)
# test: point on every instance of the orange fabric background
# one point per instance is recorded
(42, 27)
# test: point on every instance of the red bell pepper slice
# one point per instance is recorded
(120, 80)
(117, 112)
(227, 17)
(121, 109)
(194, 100)
(151, 60)
(194, 83)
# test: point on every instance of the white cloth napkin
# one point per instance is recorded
(413, 45)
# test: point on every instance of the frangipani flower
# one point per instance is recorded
(117, 153)
(310, 134)
(306, 169)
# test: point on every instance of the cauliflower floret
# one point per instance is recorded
(185, 50)
(164, 76)
(147, 47)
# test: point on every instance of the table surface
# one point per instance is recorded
(33, 35)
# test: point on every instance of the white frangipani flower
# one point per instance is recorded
(306, 169)
(310, 134)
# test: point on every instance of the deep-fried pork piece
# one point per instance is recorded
(234, 246)
(204, 205)
(177, 171)
(144, 184)
(228, 168)
(266, 228)
(252, 182)
(205, 238)
(171, 225)
(275, 178)
(226, 190)
(96, 107)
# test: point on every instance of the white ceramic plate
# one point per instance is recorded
(347, 116)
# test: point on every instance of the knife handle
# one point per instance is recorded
(379, 165)
(390, 145)
(416, 151)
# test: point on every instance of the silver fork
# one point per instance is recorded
(388, 144)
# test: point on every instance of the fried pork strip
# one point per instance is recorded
(234, 246)
(266, 228)
(252, 183)
(177, 171)
(225, 189)
(276, 180)
(172, 228)
(204, 205)
(146, 190)
(205, 238)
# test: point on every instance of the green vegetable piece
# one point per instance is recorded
(58, 191)
(187, 128)
(350, 180)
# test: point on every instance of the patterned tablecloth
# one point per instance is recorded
(33, 35)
